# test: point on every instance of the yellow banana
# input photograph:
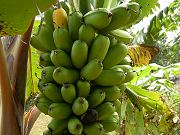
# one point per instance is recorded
(60, 18)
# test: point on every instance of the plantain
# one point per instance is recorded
(121, 35)
(86, 33)
(105, 110)
(80, 106)
(120, 16)
(115, 55)
(110, 77)
(84, 6)
(112, 93)
(110, 124)
(98, 18)
(48, 19)
(75, 126)
(45, 60)
(52, 92)
(94, 128)
(91, 70)
(68, 92)
(83, 88)
(61, 58)
(89, 116)
(57, 125)
(74, 23)
(47, 74)
(62, 39)
(43, 103)
(79, 53)
(96, 98)
(60, 110)
(63, 75)
(99, 48)
(128, 70)
(60, 18)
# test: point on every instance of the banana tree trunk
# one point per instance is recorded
(13, 72)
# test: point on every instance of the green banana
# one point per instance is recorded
(62, 39)
(47, 74)
(45, 60)
(128, 70)
(91, 70)
(117, 104)
(43, 103)
(94, 128)
(99, 48)
(45, 36)
(109, 124)
(79, 53)
(47, 132)
(52, 92)
(122, 87)
(68, 92)
(86, 33)
(112, 93)
(41, 82)
(83, 88)
(84, 6)
(115, 55)
(80, 106)
(57, 125)
(60, 110)
(66, 6)
(110, 77)
(134, 10)
(120, 16)
(61, 58)
(43, 41)
(98, 18)
(98, 3)
(113, 41)
(121, 35)
(107, 4)
(74, 23)
(125, 61)
(48, 18)
(96, 98)
(34, 41)
(116, 116)
(105, 110)
(75, 126)
(63, 75)
(114, 3)
(89, 116)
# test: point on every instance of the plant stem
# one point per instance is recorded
(9, 121)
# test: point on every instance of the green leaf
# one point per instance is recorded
(16, 15)
(139, 122)
(142, 92)
(146, 7)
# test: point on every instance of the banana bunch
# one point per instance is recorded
(85, 68)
